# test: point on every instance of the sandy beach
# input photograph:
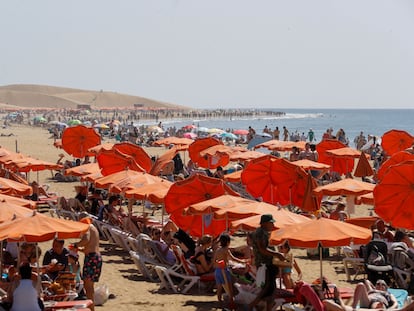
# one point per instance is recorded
(131, 291)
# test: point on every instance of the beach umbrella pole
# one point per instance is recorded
(320, 262)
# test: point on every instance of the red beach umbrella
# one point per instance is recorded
(78, 139)
(396, 140)
(275, 180)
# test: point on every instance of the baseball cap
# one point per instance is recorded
(266, 218)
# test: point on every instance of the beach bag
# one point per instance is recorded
(101, 294)
(261, 275)
(375, 257)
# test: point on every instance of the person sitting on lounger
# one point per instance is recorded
(163, 247)
(366, 296)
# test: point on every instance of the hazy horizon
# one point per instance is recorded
(323, 54)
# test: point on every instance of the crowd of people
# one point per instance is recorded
(28, 282)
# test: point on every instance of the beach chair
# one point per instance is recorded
(141, 262)
(120, 238)
(150, 250)
(352, 263)
(180, 277)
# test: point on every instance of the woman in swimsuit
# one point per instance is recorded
(201, 258)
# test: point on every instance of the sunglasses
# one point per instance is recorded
(381, 283)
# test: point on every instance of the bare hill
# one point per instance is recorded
(29, 95)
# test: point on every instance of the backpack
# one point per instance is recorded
(375, 257)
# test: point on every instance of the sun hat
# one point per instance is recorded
(266, 218)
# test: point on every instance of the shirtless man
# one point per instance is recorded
(92, 264)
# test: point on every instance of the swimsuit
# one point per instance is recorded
(218, 274)
(92, 266)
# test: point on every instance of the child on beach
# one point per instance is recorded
(221, 259)
(74, 267)
(287, 265)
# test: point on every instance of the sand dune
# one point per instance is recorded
(28, 95)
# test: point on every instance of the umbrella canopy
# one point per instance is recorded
(217, 155)
(174, 141)
(196, 188)
(229, 207)
(311, 165)
(199, 145)
(241, 132)
(310, 202)
(98, 148)
(282, 216)
(228, 135)
(363, 167)
(366, 222)
(342, 165)
(78, 139)
(365, 199)
(345, 186)
(275, 180)
(243, 156)
(394, 195)
(29, 164)
(8, 199)
(83, 169)
(342, 159)
(9, 211)
(113, 161)
(233, 177)
(164, 160)
(348, 187)
(396, 158)
(190, 135)
(152, 192)
(10, 187)
(396, 140)
(155, 129)
(139, 180)
(74, 122)
(108, 180)
(140, 156)
(40, 228)
(323, 231)
(281, 145)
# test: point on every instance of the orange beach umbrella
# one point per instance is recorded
(275, 180)
(113, 161)
(196, 188)
(396, 140)
(282, 216)
(396, 158)
(40, 228)
(10, 187)
(140, 156)
(199, 145)
(78, 139)
(394, 196)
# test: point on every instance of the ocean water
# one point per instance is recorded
(370, 121)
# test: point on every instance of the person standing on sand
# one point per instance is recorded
(276, 133)
(264, 255)
(92, 265)
(285, 134)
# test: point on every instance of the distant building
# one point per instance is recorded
(138, 105)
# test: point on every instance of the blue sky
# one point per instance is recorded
(217, 53)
